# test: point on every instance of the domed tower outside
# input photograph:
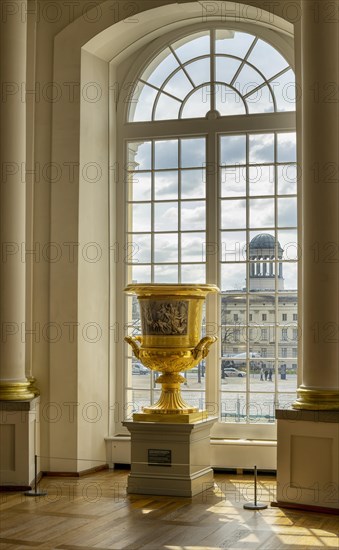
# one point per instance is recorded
(265, 258)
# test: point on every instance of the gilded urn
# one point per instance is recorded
(171, 322)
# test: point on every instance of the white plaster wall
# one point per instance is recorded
(69, 370)
(93, 269)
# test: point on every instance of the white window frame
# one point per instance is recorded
(260, 123)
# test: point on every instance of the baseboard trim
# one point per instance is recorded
(306, 507)
(76, 474)
(14, 488)
(19, 488)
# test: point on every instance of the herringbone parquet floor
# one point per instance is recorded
(94, 512)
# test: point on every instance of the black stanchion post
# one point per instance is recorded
(35, 493)
(255, 505)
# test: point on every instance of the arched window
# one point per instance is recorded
(233, 73)
(209, 149)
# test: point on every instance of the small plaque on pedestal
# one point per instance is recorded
(159, 457)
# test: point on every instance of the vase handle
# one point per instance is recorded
(133, 341)
(201, 349)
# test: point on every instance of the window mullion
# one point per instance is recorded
(212, 263)
(241, 123)
(212, 69)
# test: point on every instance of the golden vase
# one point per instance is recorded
(171, 318)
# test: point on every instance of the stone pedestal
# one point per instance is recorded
(170, 459)
(308, 459)
(19, 443)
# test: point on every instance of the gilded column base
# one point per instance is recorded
(18, 391)
(314, 400)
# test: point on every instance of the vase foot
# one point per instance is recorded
(174, 418)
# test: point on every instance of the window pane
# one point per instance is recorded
(261, 179)
(167, 108)
(288, 240)
(141, 274)
(287, 147)
(263, 303)
(290, 275)
(289, 333)
(261, 148)
(193, 184)
(261, 213)
(141, 217)
(262, 406)
(233, 277)
(260, 101)
(193, 274)
(193, 152)
(193, 247)
(140, 377)
(199, 71)
(142, 103)
(233, 150)
(140, 398)
(287, 179)
(165, 185)
(159, 69)
(233, 214)
(166, 216)
(262, 275)
(284, 90)
(198, 104)
(165, 274)
(139, 155)
(192, 46)
(140, 186)
(286, 400)
(225, 68)
(233, 182)
(233, 246)
(268, 60)
(166, 248)
(166, 154)
(193, 215)
(247, 80)
(139, 249)
(228, 102)
(233, 407)
(287, 375)
(287, 212)
(133, 307)
(233, 43)
(178, 85)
